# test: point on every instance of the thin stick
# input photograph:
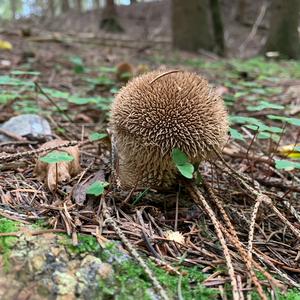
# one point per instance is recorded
(134, 253)
(236, 242)
(41, 150)
(200, 201)
(267, 200)
(164, 74)
(53, 102)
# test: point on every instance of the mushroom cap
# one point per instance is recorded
(175, 110)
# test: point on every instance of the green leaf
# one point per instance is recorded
(293, 121)
(56, 157)
(108, 69)
(262, 127)
(95, 136)
(235, 134)
(97, 188)
(286, 164)
(20, 72)
(114, 90)
(182, 163)
(78, 64)
(179, 157)
(7, 80)
(186, 170)
(264, 105)
(81, 101)
(244, 120)
(56, 93)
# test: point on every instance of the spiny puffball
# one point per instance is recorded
(157, 112)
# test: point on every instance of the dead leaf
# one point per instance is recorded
(50, 173)
(292, 151)
(5, 45)
(175, 236)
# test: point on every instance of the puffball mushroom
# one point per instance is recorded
(157, 112)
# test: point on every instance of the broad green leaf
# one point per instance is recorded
(20, 72)
(235, 134)
(81, 101)
(241, 94)
(179, 157)
(262, 127)
(266, 135)
(97, 188)
(78, 64)
(4, 98)
(56, 93)
(264, 105)
(7, 80)
(293, 121)
(108, 69)
(56, 157)
(114, 90)
(286, 164)
(186, 170)
(103, 80)
(244, 120)
(182, 163)
(95, 136)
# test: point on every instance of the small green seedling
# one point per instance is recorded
(56, 157)
(78, 64)
(97, 188)
(96, 136)
(182, 163)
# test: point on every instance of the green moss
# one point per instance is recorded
(86, 244)
(7, 242)
(131, 282)
(291, 294)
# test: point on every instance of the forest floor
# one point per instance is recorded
(254, 191)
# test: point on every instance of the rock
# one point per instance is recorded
(27, 125)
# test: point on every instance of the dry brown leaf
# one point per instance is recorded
(64, 170)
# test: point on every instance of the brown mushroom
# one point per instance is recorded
(157, 112)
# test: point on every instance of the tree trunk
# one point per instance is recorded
(283, 33)
(217, 27)
(241, 11)
(51, 8)
(65, 6)
(109, 20)
(191, 25)
(13, 6)
(79, 5)
(96, 4)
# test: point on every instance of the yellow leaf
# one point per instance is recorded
(292, 151)
(5, 45)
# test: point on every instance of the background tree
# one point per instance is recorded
(191, 25)
(283, 33)
(79, 5)
(109, 21)
(65, 5)
(217, 27)
(13, 6)
(96, 4)
(51, 8)
(241, 11)
(197, 25)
